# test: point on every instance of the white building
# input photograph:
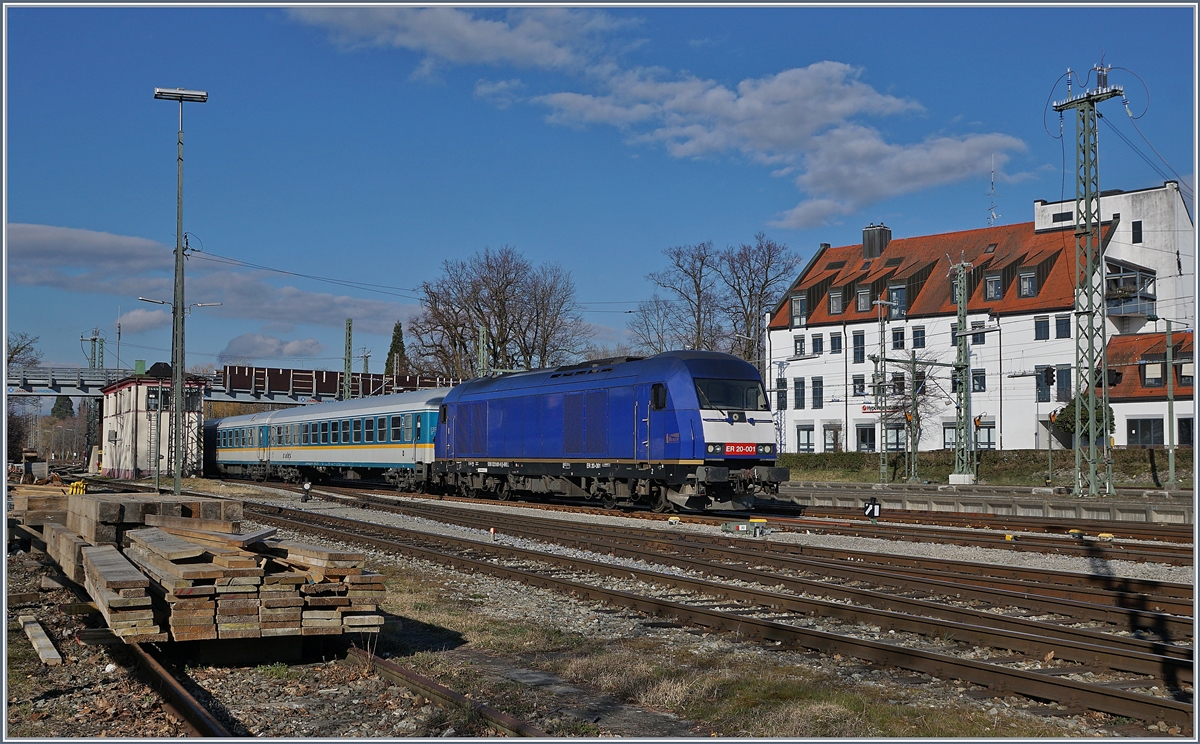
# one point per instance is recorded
(137, 430)
(823, 331)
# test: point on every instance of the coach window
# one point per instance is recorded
(417, 428)
(408, 426)
(381, 425)
(356, 431)
(397, 429)
(324, 432)
(303, 433)
(345, 431)
(336, 437)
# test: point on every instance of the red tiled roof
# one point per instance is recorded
(923, 265)
(1127, 350)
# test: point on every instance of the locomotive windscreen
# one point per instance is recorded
(741, 395)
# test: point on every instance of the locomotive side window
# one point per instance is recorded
(442, 415)
(658, 396)
(741, 395)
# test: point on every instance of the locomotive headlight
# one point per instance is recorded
(715, 449)
(766, 449)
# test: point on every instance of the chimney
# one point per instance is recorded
(824, 246)
(875, 239)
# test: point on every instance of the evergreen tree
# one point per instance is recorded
(396, 357)
(63, 408)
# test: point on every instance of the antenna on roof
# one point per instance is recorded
(992, 216)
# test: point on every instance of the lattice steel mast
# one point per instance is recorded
(1093, 463)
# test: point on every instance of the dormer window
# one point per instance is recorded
(835, 303)
(799, 310)
(993, 290)
(862, 301)
(1027, 285)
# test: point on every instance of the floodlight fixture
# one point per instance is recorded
(181, 95)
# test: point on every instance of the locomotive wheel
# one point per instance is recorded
(661, 504)
(608, 501)
(503, 492)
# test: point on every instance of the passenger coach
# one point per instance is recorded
(388, 437)
(685, 428)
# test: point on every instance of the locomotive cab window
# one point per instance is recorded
(658, 396)
(742, 395)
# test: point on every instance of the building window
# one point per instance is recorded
(1028, 285)
(1043, 387)
(978, 339)
(818, 392)
(1062, 326)
(818, 344)
(985, 437)
(1186, 434)
(919, 381)
(1041, 328)
(860, 384)
(804, 438)
(833, 437)
(992, 288)
(918, 337)
(799, 310)
(898, 297)
(781, 394)
(798, 393)
(835, 303)
(798, 345)
(860, 347)
(978, 381)
(954, 334)
(894, 438)
(949, 436)
(897, 383)
(1186, 373)
(1144, 432)
(1152, 374)
(865, 436)
(954, 373)
(898, 338)
(1063, 383)
(862, 300)
(953, 291)
(835, 343)
(1137, 231)
(1061, 217)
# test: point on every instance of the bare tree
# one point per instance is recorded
(753, 276)
(655, 326)
(21, 413)
(22, 350)
(529, 316)
(692, 281)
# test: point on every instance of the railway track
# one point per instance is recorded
(1104, 675)
(186, 706)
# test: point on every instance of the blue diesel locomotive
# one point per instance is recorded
(685, 429)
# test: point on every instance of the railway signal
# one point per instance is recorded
(307, 488)
(871, 509)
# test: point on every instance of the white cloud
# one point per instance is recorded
(250, 347)
(548, 38)
(499, 93)
(86, 261)
(136, 321)
(802, 120)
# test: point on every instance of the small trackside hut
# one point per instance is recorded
(689, 429)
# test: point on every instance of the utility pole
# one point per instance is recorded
(963, 471)
(1093, 461)
(1170, 410)
(365, 355)
(880, 390)
(914, 423)
(349, 355)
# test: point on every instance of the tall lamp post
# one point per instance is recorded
(178, 307)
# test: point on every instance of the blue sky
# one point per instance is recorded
(368, 145)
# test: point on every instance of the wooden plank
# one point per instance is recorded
(221, 539)
(296, 551)
(168, 546)
(112, 568)
(96, 636)
(209, 525)
(23, 598)
(191, 571)
(41, 642)
(78, 608)
(42, 517)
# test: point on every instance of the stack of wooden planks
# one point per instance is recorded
(39, 504)
(119, 591)
(103, 518)
(161, 567)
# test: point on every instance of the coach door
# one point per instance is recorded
(264, 444)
